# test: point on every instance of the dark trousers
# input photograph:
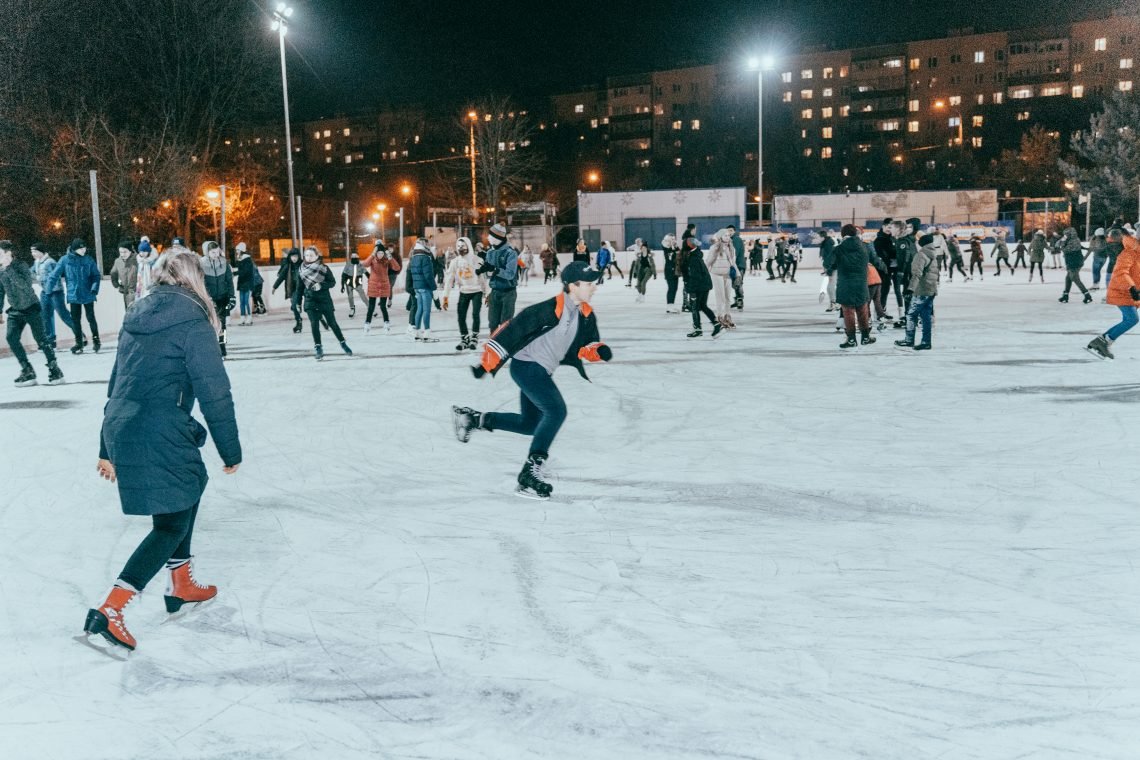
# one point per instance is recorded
(412, 309)
(318, 312)
(698, 305)
(372, 309)
(999, 262)
(474, 301)
(1073, 277)
(50, 303)
(32, 318)
(502, 308)
(957, 264)
(547, 275)
(897, 279)
(542, 410)
(1040, 269)
(771, 274)
(856, 314)
(877, 300)
(77, 312)
(295, 303)
(169, 538)
(1020, 262)
(670, 290)
(258, 300)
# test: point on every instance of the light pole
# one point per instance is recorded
(281, 25)
(381, 207)
(409, 192)
(212, 198)
(760, 65)
(472, 117)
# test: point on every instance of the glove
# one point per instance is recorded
(445, 303)
(596, 352)
(341, 288)
(484, 268)
(1135, 293)
(230, 304)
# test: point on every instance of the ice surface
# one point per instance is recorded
(759, 547)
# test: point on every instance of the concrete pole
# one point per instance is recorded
(347, 236)
(300, 224)
(225, 251)
(98, 226)
(401, 233)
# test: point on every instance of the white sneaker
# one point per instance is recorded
(411, 330)
(367, 327)
(415, 334)
(426, 337)
(387, 328)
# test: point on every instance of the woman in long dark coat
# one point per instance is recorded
(852, 256)
(168, 357)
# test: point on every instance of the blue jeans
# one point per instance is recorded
(921, 308)
(50, 304)
(244, 296)
(423, 309)
(1128, 320)
(542, 409)
(1098, 263)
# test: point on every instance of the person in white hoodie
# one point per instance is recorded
(720, 259)
(145, 260)
(473, 289)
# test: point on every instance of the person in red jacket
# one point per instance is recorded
(379, 265)
(1123, 291)
(560, 330)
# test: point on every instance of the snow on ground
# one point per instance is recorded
(760, 547)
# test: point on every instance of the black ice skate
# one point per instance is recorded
(297, 327)
(849, 343)
(1064, 298)
(465, 420)
(344, 347)
(319, 352)
(696, 333)
(1088, 298)
(904, 343)
(27, 376)
(55, 374)
(868, 338)
(531, 485)
(717, 328)
(473, 343)
(1098, 347)
(96, 344)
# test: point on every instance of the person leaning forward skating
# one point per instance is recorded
(560, 330)
(24, 310)
(1123, 292)
(168, 358)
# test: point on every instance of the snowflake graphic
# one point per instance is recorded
(627, 199)
(584, 200)
(714, 196)
(680, 197)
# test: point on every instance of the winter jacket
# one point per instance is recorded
(82, 275)
(720, 258)
(976, 251)
(885, 247)
(1126, 275)
(318, 300)
(422, 270)
(827, 254)
(924, 272)
(16, 286)
(535, 320)
(696, 274)
(352, 276)
(42, 270)
(505, 260)
(549, 259)
(905, 249)
(851, 261)
(219, 277)
(643, 265)
(245, 270)
(1037, 248)
(125, 274)
(461, 273)
(738, 248)
(954, 249)
(379, 266)
(605, 257)
(1074, 253)
(1001, 250)
(671, 256)
(168, 357)
(289, 273)
(1097, 246)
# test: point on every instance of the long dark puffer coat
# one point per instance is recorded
(696, 274)
(850, 259)
(168, 357)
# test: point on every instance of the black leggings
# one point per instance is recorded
(974, 262)
(671, 290)
(474, 301)
(957, 264)
(168, 539)
(372, 308)
(325, 312)
(77, 310)
(699, 304)
(1040, 269)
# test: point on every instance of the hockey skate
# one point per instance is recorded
(182, 588)
(1064, 298)
(297, 327)
(696, 333)
(55, 374)
(344, 347)
(1088, 298)
(868, 338)
(717, 329)
(96, 344)
(1099, 347)
(464, 343)
(531, 485)
(465, 420)
(849, 343)
(319, 352)
(27, 376)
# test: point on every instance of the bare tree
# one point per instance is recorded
(505, 161)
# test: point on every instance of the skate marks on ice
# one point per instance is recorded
(43, 404)
(1024, 362)
(1120, 393)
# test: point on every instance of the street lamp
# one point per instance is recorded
(760, 65)
(595, 179)
(212, 198)
(473, 117)
(381, 207)
(941, 104)
(281, 25)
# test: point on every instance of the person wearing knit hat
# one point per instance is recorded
(421, 273)
(145, 259)
(559, 330)
(317, 282)
(502, 266)
(1097, 250)
(83, 280)
(289, 273)
(245, 283)
(125, 273)
(1000, 251)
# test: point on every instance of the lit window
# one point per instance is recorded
(1021, 93)
(1023, 115)
(998, 98)
(979, 56)
(1101, 43)
(1053, 90)
(695, 124)
(955, 100)
(825, 152)
(658, 110)
(677, 124)
(844, 110)
(317, 135)
(328, 159)
(807, 152)
(912, 106)
(643, 163)
(893, 63)
(890, 126)
(347, 131)
(416, 140)
(348, 159)
(1078, 91)
(914, 64)
(677, 161)
(805, 94)
(786, 77)
(842, 72)
(803, 134)
(593, 123)
(788, 96)
(805, 114)
(912, 126)
(977, 121)
(1078, 68)
(805, 74)
(328, 133)
(328, 146)
(825, 112)
(828, 73)
(981, 100)
(954, 121)
(1124, 85)
(827, 133)
(976, 142)
(579, 108)
(1125, 63)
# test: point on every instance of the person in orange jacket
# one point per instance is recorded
(1123, 292)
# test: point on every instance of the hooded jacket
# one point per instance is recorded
(245, 270)
(379, 266)
(1125, 275)
(82, 275)
(1037, 248)
(168, 358)
(905, 250)
(693, 269)
(125, 274)
(852, 258)
(42, 270)
(720, 257)
(421, 269)
(289, 273)
(1071, 247)
(923, 280)
(461, 271)
(505, 260)
(219, 277)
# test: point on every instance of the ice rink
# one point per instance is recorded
(759, 547)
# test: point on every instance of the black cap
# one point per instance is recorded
(580, 271)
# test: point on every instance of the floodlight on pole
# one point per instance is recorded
(281, 25)
(472, 118)
(760, 64)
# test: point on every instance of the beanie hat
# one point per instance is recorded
(126, 244)
(498, 230)
(178, 241)
(37, 246)
(144, 246)
(580, 271)
(1099, 231)
(888, 221)
(926, 239)
(77, 244)
(5, 245)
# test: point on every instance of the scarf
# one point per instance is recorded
(313, 275)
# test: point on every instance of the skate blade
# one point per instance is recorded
(527, 493)
(1100, 356)
(100, 644)
(60, 381)
(186, 610)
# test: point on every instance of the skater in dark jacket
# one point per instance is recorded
(318, 281)
(852, 258)
(976, 257)
(289, 274)
(245, 282)
(1019, 251)
(560, 330)
(24, 311)
(167, 358)
(671, 251)
(698, 284)
(1074, 261)
(83, 280)
(219, 280)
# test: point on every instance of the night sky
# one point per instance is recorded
(354, 55)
